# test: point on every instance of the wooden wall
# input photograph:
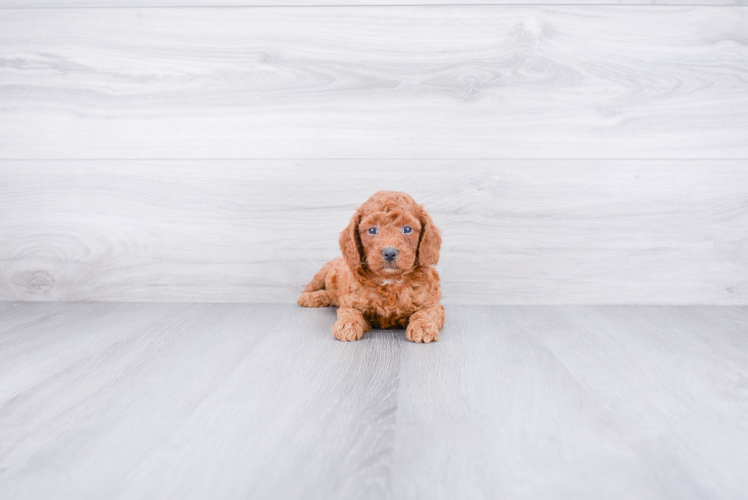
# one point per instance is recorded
(569, 153)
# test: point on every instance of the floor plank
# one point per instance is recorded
(305, 417)
(360, 82)
(260, 401)
(490, 412)
(13, 314)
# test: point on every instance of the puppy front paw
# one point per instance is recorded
(422, 331)
(348, 330)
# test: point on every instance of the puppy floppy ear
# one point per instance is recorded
(430, 240)
(350, 244)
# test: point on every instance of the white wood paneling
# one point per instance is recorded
(519, 231)
(135, 401)
(360, 82)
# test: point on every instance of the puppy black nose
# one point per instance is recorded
(389, 253)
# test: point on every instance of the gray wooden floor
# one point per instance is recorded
(118, 400)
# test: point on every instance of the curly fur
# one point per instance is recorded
(371, 292)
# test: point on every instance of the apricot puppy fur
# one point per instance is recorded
(386, 277)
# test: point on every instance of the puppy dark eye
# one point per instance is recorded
(372, 230)
(407, 230)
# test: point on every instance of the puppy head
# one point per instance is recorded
(390, 235)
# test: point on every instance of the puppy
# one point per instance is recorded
(386, 276)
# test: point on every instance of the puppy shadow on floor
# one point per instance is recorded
(322, 319)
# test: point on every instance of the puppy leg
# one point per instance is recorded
(350, 325)
(318, 282)
(424, 324)
(320, 298)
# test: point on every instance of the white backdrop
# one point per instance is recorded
(570, 154)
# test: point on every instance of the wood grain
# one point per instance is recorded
(358, 82)
(260, 401)
(520, 231)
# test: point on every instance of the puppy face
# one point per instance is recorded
(390, 235)
(390, 240)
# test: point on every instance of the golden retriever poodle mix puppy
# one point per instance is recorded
(386, 277)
